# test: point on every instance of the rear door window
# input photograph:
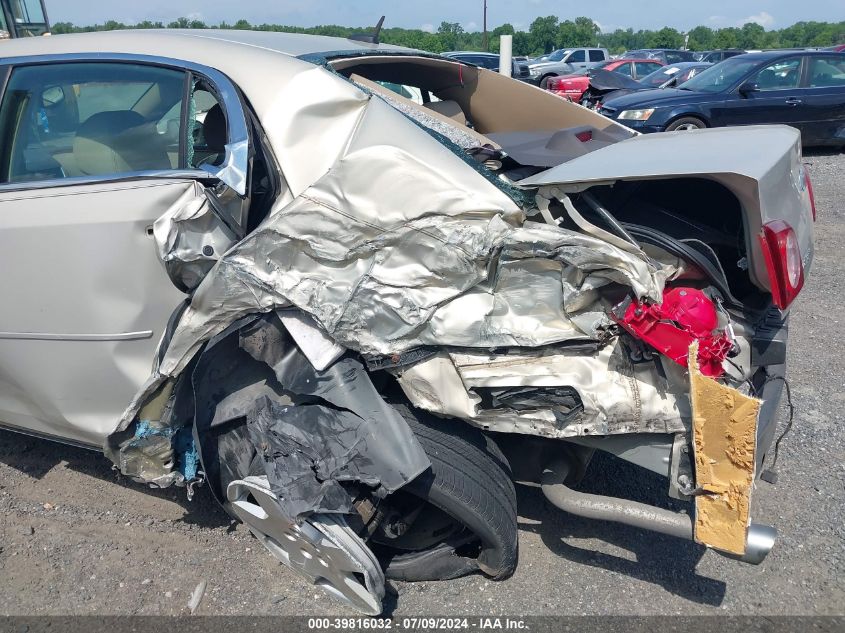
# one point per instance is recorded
(596, 56)
(826, 72)
(624, 69)
(90, 119)
(645, 68)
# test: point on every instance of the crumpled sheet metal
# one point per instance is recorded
(618, 396)
(402, 244)
(190, 238)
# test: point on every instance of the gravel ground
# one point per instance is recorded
(75, 538)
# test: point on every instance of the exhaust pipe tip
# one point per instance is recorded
(760, 541)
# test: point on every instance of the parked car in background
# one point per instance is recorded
(519, 70)
(839, 48)
(572, 87)
(23, 18)
(565, 61)
(603, 87)
(666, 55)
(804, 89)
(715, 57)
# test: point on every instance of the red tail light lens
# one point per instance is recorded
(810, 191)
(783, 262)
(553, 84)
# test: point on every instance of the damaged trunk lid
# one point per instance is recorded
(760, 165)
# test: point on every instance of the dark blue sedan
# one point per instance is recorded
(804, 89)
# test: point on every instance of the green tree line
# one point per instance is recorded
(543, 35)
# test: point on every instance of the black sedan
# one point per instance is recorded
(604, 85)
(804, 89)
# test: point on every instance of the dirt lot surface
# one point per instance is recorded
(77, 539)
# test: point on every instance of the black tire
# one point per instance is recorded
(686, 123)
(544, 82)
(469, 480)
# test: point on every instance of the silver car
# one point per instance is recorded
(564, 61)
(251, 261)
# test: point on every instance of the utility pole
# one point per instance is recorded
(484, 43)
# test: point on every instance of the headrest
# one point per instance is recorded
(214, 129)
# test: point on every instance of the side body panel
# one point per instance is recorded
(85, 301)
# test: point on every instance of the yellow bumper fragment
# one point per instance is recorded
(725, 437)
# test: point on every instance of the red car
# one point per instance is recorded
(839, 48)
(573, 86)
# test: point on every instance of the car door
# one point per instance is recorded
(92, 153)
(771, 94)
(823, 110)
(577, 59)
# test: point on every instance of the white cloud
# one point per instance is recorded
(428, 28)
(471, 27)
(764, 19)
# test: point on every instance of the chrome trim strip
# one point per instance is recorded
(236, 161)
(48, 336)
(52, 438)
(170, 174)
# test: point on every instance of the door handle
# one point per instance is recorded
(794, 101)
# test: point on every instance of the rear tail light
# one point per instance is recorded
(810, 191)
(553, 84)
(783, 262)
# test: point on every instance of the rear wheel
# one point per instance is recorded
(458, 517)
(686, 123)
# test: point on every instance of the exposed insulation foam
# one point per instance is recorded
(725, 436)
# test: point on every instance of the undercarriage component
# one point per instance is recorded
(323, 548)
(592, 506)
(760, 540)
(684, 316)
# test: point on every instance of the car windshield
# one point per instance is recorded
(721, 76)
(557, 56)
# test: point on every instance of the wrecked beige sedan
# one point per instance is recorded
(358, 291)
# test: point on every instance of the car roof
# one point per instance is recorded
(789, 52)
(188, 44)
(450, 53)
(685, 65)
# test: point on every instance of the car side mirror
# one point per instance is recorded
(748, 87)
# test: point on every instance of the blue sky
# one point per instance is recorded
(427, 14)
